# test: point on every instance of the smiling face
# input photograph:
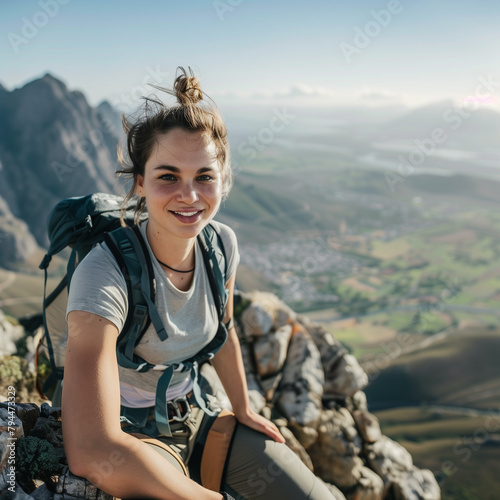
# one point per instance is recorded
(182, 184)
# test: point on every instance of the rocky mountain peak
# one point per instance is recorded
(53, 145)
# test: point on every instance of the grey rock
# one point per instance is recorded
(11, 429)
(42, 493)
(329, 347)
(343, 374)
(270, 384)
(301, 388)
(71, 486)
(47, 411)
(17, 494)
(256, 321)
(388, 458)
(370, 486)
(255, 392)
(271, 350)
(305, 434)
(9, 334)
(359, 401)
(265, 313)
(3, 480)
(368, 426)
(417, 484)
(28, 413)
(345, 377)
(17, 243)
(335, 454)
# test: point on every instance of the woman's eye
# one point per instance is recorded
(168, 177)
(205, 178)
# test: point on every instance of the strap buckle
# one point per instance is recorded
(178, 409)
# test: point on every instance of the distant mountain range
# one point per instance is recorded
(53, 145)
(465, 128)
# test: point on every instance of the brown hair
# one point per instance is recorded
(157, 118)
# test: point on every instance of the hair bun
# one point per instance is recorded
(187, 88)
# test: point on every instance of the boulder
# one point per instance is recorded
(301, 388)
(368, 426)
(270, 351)
(9, 335)
(344, 377)
(417, 484)
(71, 486)
(265, 313)
(388, 458)
(335, 454)
(370, 486)
(28, 413)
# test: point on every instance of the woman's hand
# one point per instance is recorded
(260, 424)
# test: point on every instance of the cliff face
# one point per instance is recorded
(52, 145)
(16, 241)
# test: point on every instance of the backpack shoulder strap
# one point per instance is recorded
(130, 251)
(214, 256)
(118, 242)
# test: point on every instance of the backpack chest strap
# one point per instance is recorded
(163, 384)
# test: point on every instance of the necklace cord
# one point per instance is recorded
(172, 269)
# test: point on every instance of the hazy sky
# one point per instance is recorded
(321, 51)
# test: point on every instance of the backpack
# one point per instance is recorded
(80, 223)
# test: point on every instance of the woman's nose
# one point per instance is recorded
(187, 193)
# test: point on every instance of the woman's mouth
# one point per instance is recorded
(187, 217)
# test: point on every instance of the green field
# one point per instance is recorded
(462, 451)
(459, 370)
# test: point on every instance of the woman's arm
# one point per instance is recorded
(228, 363)
(95, 445)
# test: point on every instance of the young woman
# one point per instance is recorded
(179, 163)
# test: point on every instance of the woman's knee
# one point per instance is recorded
(261, 468)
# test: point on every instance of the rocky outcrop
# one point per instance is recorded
(318, 391)
(307, 383)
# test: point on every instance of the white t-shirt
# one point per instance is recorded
(190, 318)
